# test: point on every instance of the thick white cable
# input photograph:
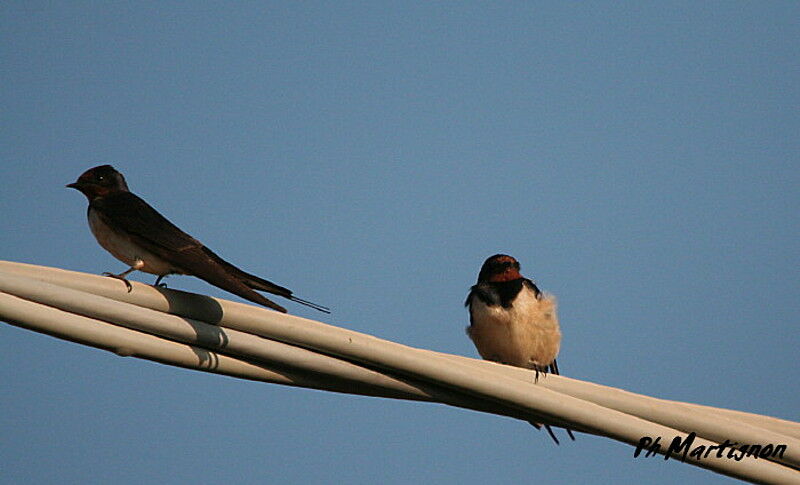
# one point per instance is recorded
(444, 371)
(253, 348)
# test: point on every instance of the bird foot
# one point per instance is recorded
(120, 277)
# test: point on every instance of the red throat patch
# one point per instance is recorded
(94, 191)
(509, 274)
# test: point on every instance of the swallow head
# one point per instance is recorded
(99, 182)
(500, 267)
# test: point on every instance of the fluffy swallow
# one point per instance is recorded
(136, 234)
(512, 322)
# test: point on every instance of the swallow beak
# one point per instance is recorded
(73, 185)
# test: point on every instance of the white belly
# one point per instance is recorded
(124, 249)
(525, 335)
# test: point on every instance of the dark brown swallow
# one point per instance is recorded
(136, 234)
(512, 322)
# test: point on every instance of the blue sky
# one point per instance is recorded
(640, 160)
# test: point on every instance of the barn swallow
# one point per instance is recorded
(136, 234)
(512, 322)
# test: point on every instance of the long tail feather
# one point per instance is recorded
(261, 284)
(313, 305)
(554, 370)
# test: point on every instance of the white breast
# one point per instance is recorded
(525, 335)
(124, 249)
